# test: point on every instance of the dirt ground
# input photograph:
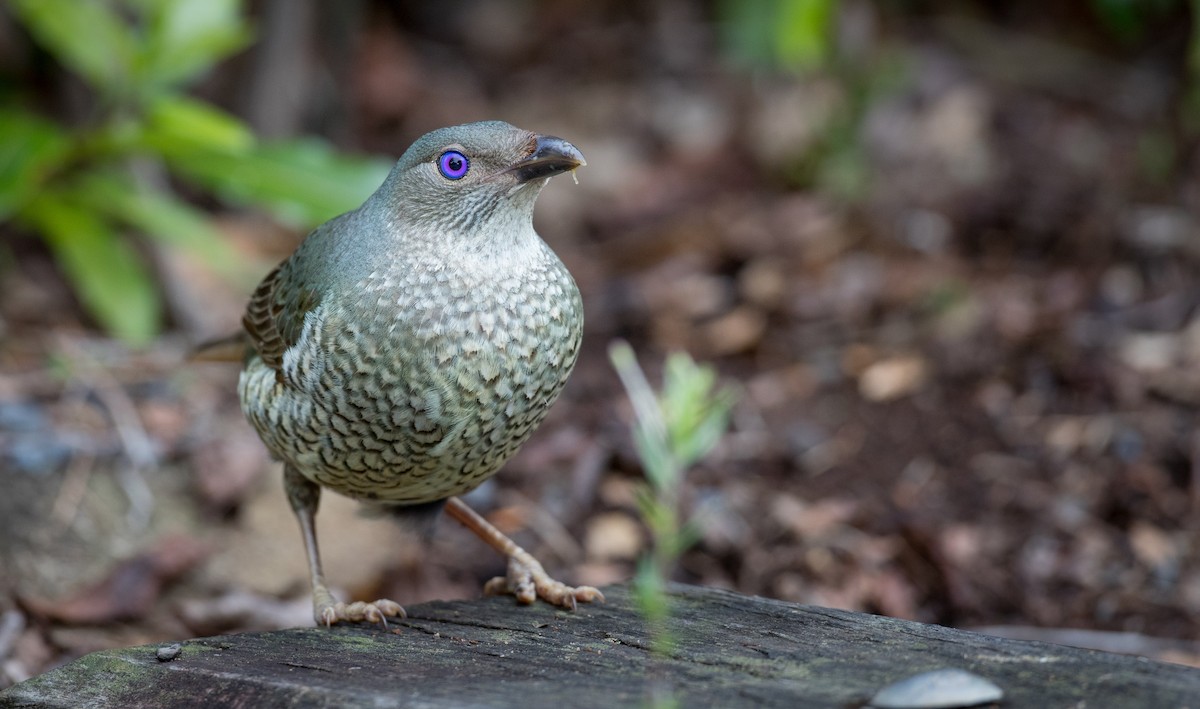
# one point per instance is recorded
(954, 278)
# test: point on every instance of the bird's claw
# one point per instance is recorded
(528, 581)
(338, 612)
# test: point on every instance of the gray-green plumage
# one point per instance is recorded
(407, 348)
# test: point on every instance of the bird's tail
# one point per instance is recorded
(232, 348)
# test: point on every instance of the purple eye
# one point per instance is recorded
(453, 165)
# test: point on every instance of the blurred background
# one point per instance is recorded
(947, 251)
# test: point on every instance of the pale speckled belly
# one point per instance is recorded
(416, 410)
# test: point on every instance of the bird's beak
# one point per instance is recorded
(550, 157)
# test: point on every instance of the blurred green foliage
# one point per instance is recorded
(794, 35)
(672, 430)
(1128, 20)
(801, 37)
(87, 190)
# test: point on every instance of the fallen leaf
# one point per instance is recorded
(893, 378)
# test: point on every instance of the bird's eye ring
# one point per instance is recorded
(453, 165)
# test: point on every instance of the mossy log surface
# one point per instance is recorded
(729, 650)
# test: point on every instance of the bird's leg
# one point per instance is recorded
(305, 495)
(526, 578)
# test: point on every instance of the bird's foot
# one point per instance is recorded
(528, 581)
(329, 611)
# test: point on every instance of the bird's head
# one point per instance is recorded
(467, 177)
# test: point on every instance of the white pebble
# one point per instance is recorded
(939, 689)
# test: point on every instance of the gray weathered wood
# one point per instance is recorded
(731, 650)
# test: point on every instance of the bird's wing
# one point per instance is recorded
(275, 316)
(262, 320)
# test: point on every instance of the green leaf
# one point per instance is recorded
(646, 407)
(660, 466)
(88, 36)
(180, 125)
(303, 182)
(645, 500)
(186, 37)
(803, 35)
(697, 416)
(792, 34)
(108, 274)
(30, 150)
(160, 216)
